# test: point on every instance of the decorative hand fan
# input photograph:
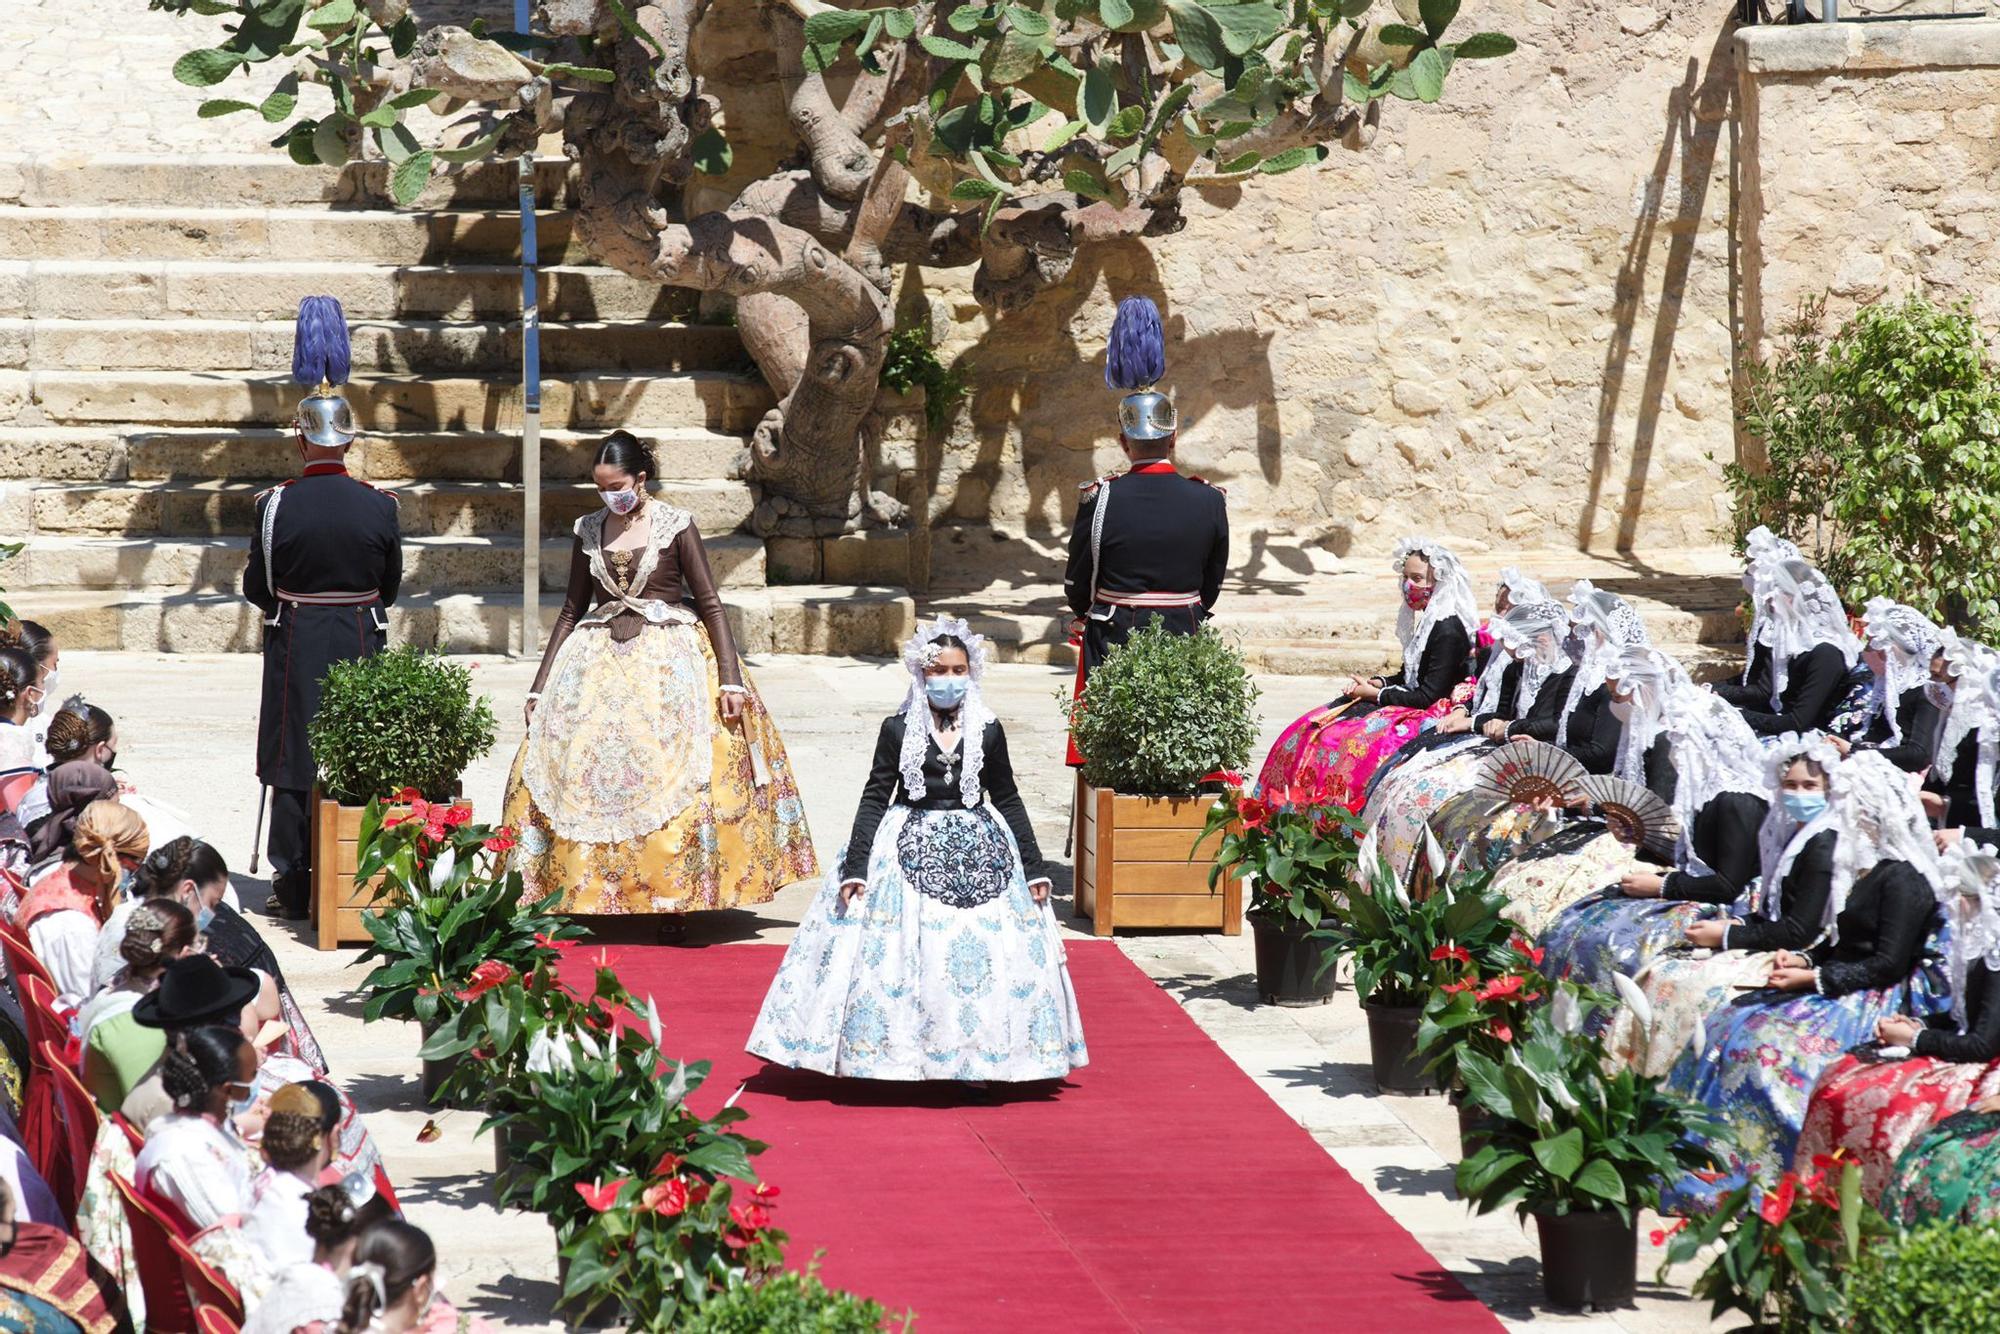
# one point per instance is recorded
(1531, 773)
(1636, 816)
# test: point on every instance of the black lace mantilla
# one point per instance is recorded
(960, 858)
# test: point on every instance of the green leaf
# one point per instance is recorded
(901, 23)
(381, 117)
(1128, 122)
(1399, 34)
(831, 27)
(1115, 13)
(1123, 158)
(1247, 27)
(972, 187)
(471, 151)
(1199, 34)
(1097, 99)
(1484, 46)
(587, 73)
(1017, 56)
(1599, 1178)
(410, 177)
(329, 141)
(711, 152)
(1427, 75)
(1437, 15)
(1027, 21)
(1078, 181)
(1560, 1155)
(946, 49)
(206, 68)
(221, 106)
(396, 142)
(1293, 158)
(284, 100)
(333, 15)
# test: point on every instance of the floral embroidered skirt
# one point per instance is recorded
(1610, 933)
(632, 795)
(1681, 991)
(1765, 1052)
(1950, 1175)
(1539, 887)
(1875, 1110)
(1405, 798)
(944, 968)
(1332, 752)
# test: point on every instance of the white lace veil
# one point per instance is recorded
(1763, 550)
(1876, 810)
(1530, 633)
(1608, 625)
(1907, 641)
(1780, 838)
(1520, 591)
(1451, 597)
(919, 653)
(1805, 614)
(1971, 895)
(1975, 707)
(1522, 588)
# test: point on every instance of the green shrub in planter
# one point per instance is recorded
(793, 1303)
(1940, 1279)
(1163, 712)
(400, 719)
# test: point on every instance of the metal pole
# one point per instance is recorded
(531, 400)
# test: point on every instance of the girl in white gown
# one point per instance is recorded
(931, 952)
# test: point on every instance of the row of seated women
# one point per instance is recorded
(1806, 944)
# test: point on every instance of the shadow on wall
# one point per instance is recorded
(1698, 110)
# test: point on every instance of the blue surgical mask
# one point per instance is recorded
(946, 692)
(203, 918)
(1805, 807)
(240, 1107)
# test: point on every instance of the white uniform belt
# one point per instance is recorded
(1110, 599)
(334, 599)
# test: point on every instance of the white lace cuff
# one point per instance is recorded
(735, 690)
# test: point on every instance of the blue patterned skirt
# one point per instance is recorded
(1611, 933)
(944, 968)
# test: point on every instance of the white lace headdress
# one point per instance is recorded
(1781, 838)
(1763, 550)
(920, 652)
(1876, 810)
(1805, 614)
(1520, 591)
(1975, 707)
(1522, 588)
(1451, 597)
(1608, 625)
(1531, 633)
(1971, 895)
(1907, 640)
(1714, 750)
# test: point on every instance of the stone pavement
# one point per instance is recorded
(186, 727)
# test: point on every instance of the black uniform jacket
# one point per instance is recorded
(885, 786)
(331, 535)
(1163, 533)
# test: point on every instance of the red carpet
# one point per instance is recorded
(1160, 1189)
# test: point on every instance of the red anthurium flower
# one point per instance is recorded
(1524, 946)
(391, 821)
(698, 1193)
(503, 840)
(485, 977)
(1777, 1205)
(434, 830)
(751, 1218)
(666, 1198)
(1253, 813)
(1500, 1031)
(458, 814)
(1660, 1235)
(602, 1197)
(1458, 952)
(669, 1165)
(735, 1240)
(765, 1193)
(419, 808)
(407, 796)
(1500, 988)
(1453, 988)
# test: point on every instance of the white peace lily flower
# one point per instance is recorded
(1566, 1014)
(1698, 1042)
(441, 870)
(1564, 1098)
(547, 1055)
(1433, 853)
(1365, 854)
(1635, 999)
(653, 1021)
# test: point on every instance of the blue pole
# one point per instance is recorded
(531, 397)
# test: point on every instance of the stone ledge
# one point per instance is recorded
(1875, 46)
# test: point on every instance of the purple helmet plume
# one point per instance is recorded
(319, 343)
(1136, 356)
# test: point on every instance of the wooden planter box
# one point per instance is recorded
(1132, 866)
(337, 902)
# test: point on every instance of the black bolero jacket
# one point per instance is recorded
(1509, 704)
(885, 785)
(1801, 902)
(1724, 836)
(1813, 683)
(1545, 716)
(1961, 790)
(1980, 1042)
(1918, 718)
(1889, 914)
(1443, 666)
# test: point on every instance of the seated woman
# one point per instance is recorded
(392, 1287)
(82, 733)
(1331, 753)
(1874, 1109)
(66, 904)
(1960, 784)
(274, 1239)
(1765, 1050)
(116, 1052)
(1762, 552)
(1525, 698)
(1812, 653)
(49, 1283)
(22, 765)
(307, 1298)
(1695, 752)
(1796, 845)
(195, 1161)
(1902, 719)
(931, 952)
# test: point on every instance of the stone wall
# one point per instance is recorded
(1871, 157)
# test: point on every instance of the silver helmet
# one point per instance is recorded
(325, 419)
(1146, 415)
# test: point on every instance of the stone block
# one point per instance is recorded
(878, 557)
(792, 560)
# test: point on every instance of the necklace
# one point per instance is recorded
(945, 725)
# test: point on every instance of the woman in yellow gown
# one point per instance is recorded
(651, 779)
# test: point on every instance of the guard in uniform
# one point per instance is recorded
(1149, 543)
(326, 561)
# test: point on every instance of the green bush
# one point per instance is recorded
(399, 719)
(1165, 711)
(787, 1303)
(911, 362)
(1941, 1279)
(1881, 456)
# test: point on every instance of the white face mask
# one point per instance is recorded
(1621, 709)
(51, 688)
(621, 502)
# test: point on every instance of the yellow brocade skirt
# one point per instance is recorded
(630, 794)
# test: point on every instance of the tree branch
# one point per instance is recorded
(840, 161)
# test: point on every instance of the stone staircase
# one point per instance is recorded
(145, 350)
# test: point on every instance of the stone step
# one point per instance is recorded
(215, 564)
(717, 400)
(379, 347)
(823, 619)
(197, 181)
(268, 453)
(426, 509)
(271, 289)
(364, 235)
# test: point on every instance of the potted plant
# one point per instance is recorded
(1299, 858)
(1401, 941)
(1782, 1256)
(1479, 1001)
(449, 922)
(1579, 1149)
(1164, 717)
(398, 720)
(787, 1301)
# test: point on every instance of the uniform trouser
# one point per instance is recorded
(289, 848)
